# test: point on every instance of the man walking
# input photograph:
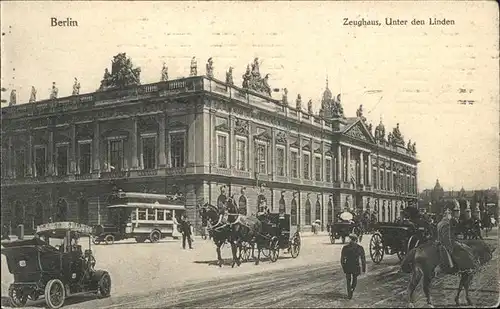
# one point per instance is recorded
(351, 254)
(186, 232)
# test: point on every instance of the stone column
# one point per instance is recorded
(30, 154)
(51, 152)
(361, 168)
(300, 168)
(231, 144)
(348, 159)
(95, 148)
(339, 163)
(272, 151)
(369, 169)
(133, 139)
(72, 167)
(323, 168)
(162, 157)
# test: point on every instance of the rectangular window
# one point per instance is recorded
(394, 182)
(151, 214)
(241, 154)
(317, 168)
(389, 178)
(85, 158)
(142, 214)
(160, 214)
(149, 153)
(306, 166)
(177, 144)
(375, 178)
(222, 151)
(328, 170)
(20, 163)
(294, 161)
(382, 184)
(115, 155)
(280, 164)
(62, 160)
(40, 161)
(261, 158)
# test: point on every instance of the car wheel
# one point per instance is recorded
(155, 236)
(17, 297)
(96, 241)
(55, 294)
(109, 239)
(104, 285)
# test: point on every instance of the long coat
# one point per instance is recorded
(462, 254)
(351, 255)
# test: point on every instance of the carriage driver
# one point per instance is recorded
(453, 254)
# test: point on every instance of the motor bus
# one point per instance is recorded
(143, 216)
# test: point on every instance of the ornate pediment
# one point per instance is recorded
(281, 138)
(329, 153)
(358, 131)
(115, 133)
(264, 136)
(306, 147)
(241, 127)
(222, 127)
(295, 144)
(176, 124)
(318, 150)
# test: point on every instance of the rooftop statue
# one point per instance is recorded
(310, 107)
(397, 136)
(414, 147)
(194, 67)
(164, 73)
(408, 145)
(76, 87)
(210, 67)
(33, 95)
(122, 74)
(229, 76)
(337, 109)
(284, 99)
(370, 127)
(13, 98)
(252, 79)
(54, 91)
(298, 103)
(359, 113)
(380, 131)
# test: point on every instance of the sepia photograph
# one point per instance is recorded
(250, 154)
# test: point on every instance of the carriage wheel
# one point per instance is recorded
(295, 245)
(96, 241)
(55, 293)
(332, 238)
(154, 236)
(109, 239)
(17, 297)
(265, 252)
(274, 249)
(376, 248)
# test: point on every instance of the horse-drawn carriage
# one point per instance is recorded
(280, 235)
(345, 226)
(56, 272)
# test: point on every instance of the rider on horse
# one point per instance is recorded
(454, 255)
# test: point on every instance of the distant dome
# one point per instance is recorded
(437, 186)
(327, 94)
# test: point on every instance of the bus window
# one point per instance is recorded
(142, 214)
(151, 214)
(132, 216)
(160, 214)
(168, 215)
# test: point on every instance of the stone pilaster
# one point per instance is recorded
(133, 139)
(162, 159)
(51, 152)
(370, 170)
(73, 163)
(361, 168)
(95, 148)
(339, 163)
(348, 159)
(30, 154)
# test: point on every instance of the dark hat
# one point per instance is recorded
(353, 237)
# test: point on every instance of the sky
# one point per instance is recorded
(409, 75)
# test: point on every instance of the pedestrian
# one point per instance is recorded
(351, 254)
(186, 232)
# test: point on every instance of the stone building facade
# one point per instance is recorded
(204, 138)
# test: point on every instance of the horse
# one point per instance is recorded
(423, 260)
(244, 229)
(219, 230)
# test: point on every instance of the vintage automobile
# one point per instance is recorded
(54, 271)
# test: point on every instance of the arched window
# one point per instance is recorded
(282, 206)
(383, 213)
(293, 213)
(318, 210)
(83, 210)
(308, 212)
(38, 214)
(330, 212)
(61, 210)
(242, 205)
